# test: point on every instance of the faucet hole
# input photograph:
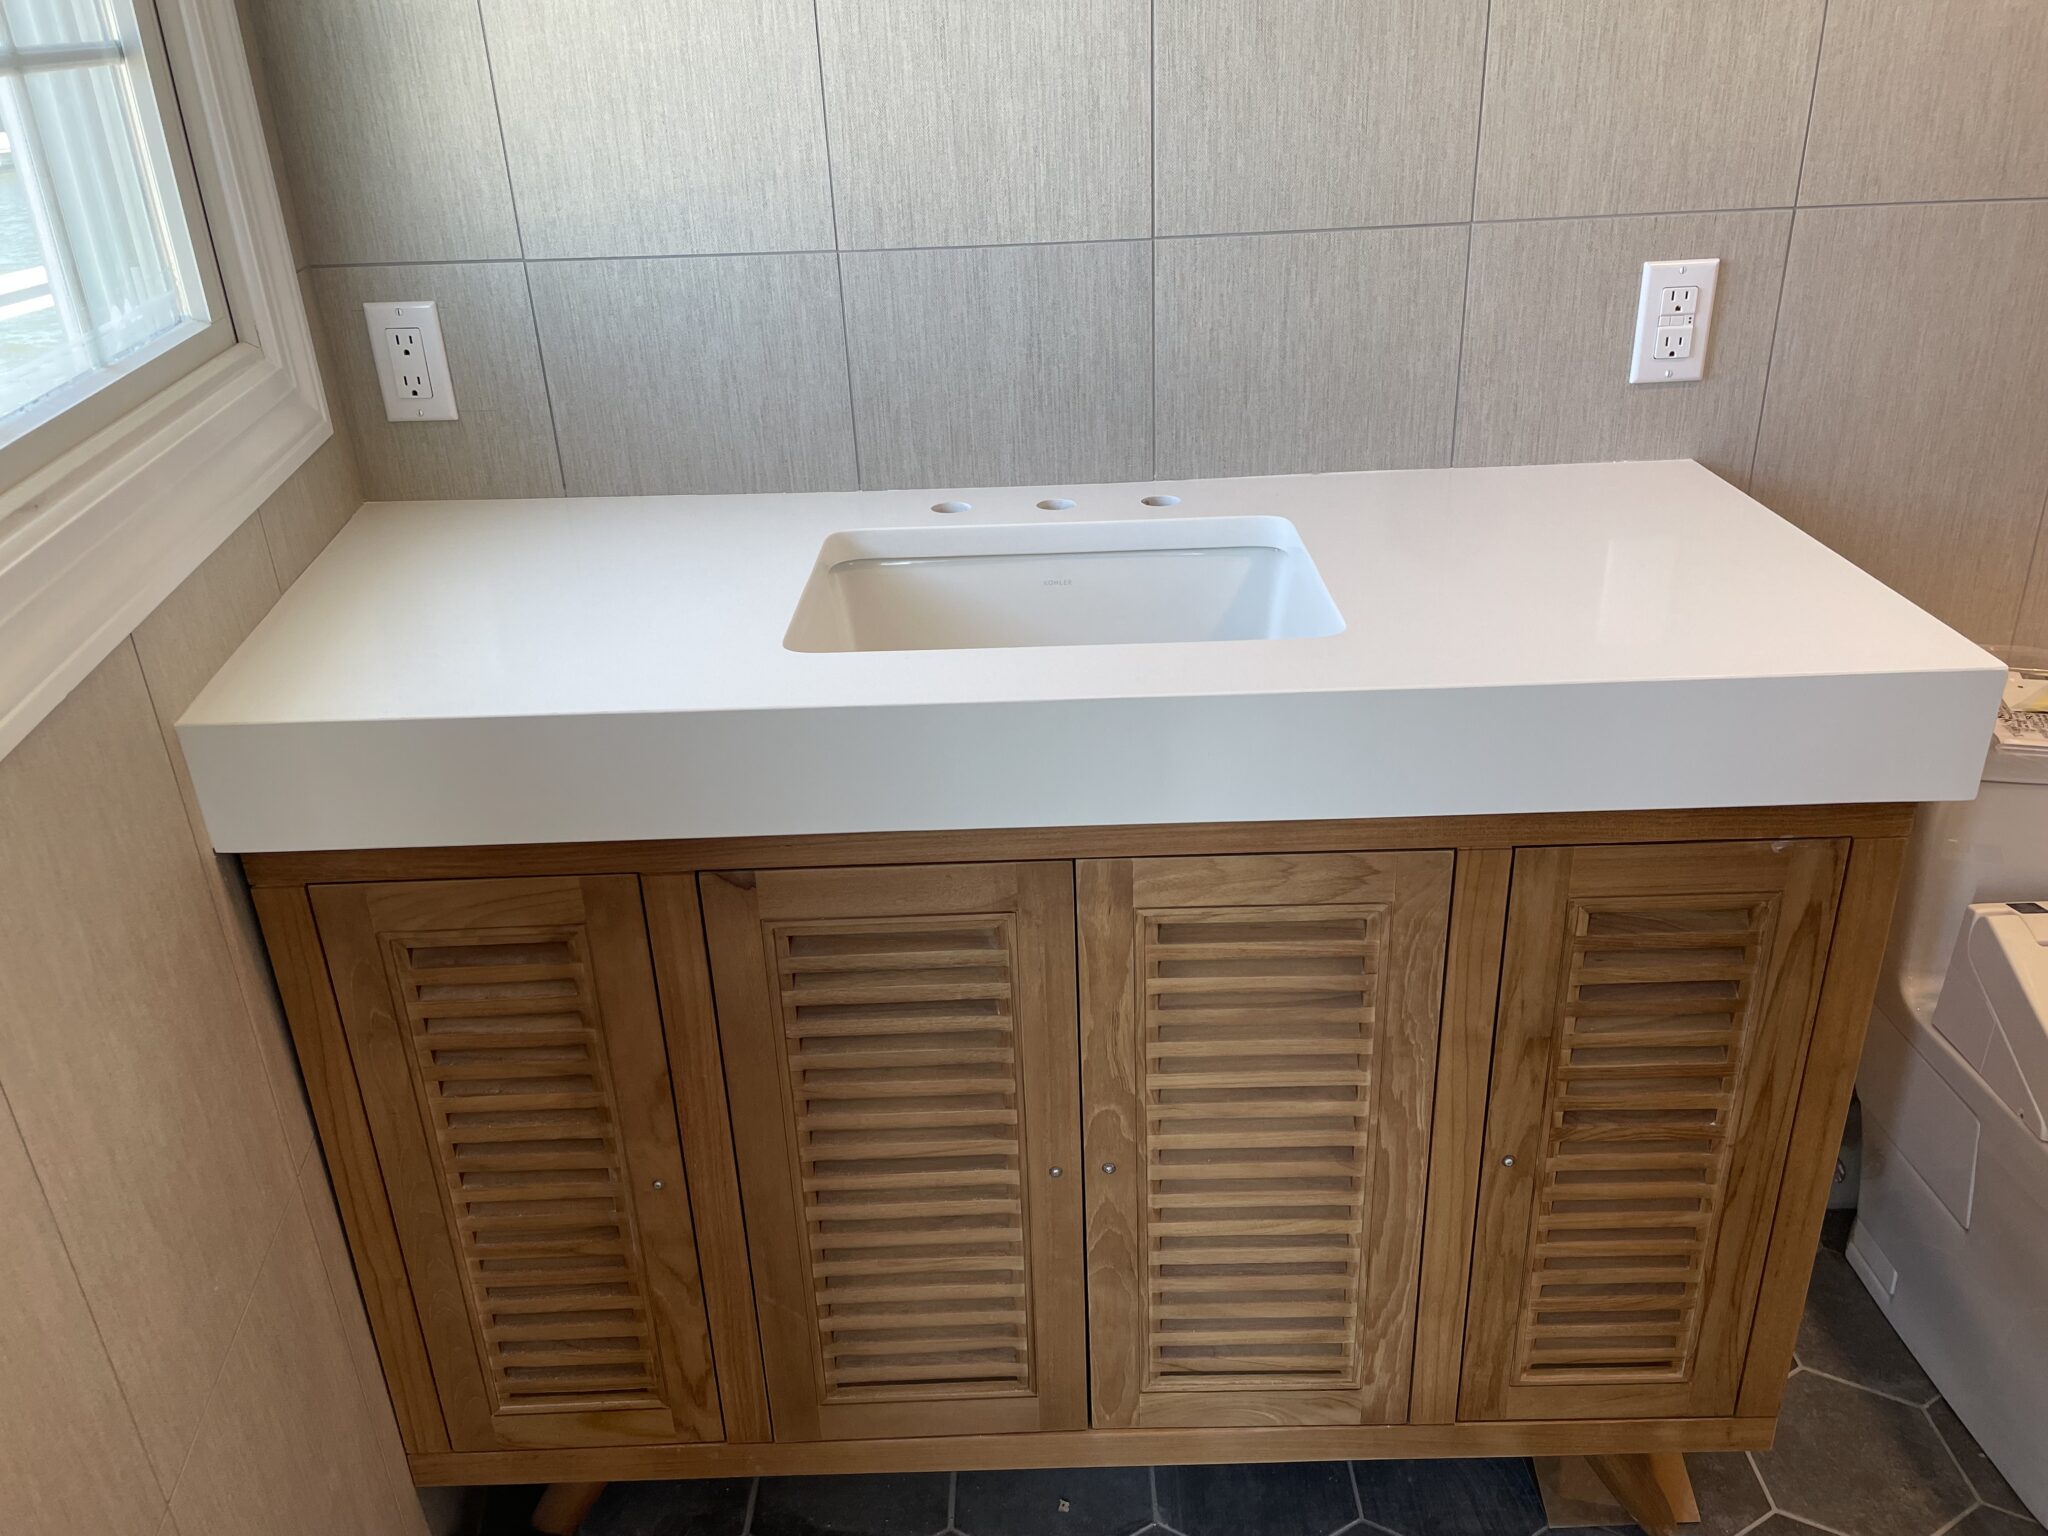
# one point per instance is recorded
(1056, 504)
(952, 506)
(1162, 501)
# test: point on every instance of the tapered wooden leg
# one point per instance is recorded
(1653, 1487)
(562, 1507)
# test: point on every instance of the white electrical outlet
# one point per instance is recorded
(412, 364)
(1673, 315)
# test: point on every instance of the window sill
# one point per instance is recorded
(92, 543)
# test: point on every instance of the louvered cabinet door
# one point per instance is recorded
(900, 1057)
(1656, 1008)
(1258, 1054)
(509, 1047)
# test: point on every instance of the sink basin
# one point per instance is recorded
(1122, 583)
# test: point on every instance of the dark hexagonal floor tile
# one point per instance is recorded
(1302, 1498)
(1858, 1462)
(1983, 1474)
(1450, 1498)
(879, 1504)
(1096, 1501)
(714, 1507)
(1784, 1525)
(1845, 1334)
(1731, 1499)
(1986, 1521)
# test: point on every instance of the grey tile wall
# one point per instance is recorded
(801, 244)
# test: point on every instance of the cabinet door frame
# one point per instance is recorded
(1117, 897)
(1037, 899)
(1802, 880)
(359, 926)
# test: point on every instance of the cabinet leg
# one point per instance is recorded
(1653, 1487)
(562, 1507)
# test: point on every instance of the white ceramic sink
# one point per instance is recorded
(1122, 583)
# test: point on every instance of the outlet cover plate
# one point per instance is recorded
(432, 400)
(1676, 295)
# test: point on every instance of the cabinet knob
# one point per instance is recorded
(1109, 1167)
(1507, 1162)
(1055, 1172)
(658, 1184)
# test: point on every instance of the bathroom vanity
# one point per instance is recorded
(768, 1009)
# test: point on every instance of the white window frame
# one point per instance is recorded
(91, 542)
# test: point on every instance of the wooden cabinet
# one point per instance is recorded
(804, 1155)
(901, 1057)
(1258, 1049)
(1655, 1012)
(508, 1045)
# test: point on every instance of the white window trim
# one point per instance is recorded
(90, 544)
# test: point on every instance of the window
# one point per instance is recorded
(108, 288)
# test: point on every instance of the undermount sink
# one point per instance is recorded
(1118, 583)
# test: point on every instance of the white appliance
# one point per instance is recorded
(1951, 1233)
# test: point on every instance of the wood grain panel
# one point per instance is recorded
(899, 1048)
(1479, 906)
(1260, 1039)
(1657, 1007)
(510, 1050)
(1263, 837)
(1104, 1448)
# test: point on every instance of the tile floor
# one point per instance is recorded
(1865, 1447)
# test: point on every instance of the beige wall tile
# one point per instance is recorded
(959, 122)
(504, 443)
(288, 1444)
(389, 129)
(181, 645)
(125, 1051)
(2029, 646)
(710, 373)
(1928, 99)
(1315, 114)
(1561, 296)
(70, 1459)
(1909, 429)
(309, 509)
(1001, 365)
(1280, 354)
(654, 130)
(1582, 115)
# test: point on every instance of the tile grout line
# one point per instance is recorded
(547, 388)
(753, 1498)
(1857, 1386)
(1471, 236)
(92, 1316)
(1763, 403)
(838, 253)
(1214, 234)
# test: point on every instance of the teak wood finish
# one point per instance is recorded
(773, 1123)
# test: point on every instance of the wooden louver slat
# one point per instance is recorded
(900, 1043)
(508, 1049)
(1657, 1022)
(1258, 1029)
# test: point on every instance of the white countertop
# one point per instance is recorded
(1563, 638)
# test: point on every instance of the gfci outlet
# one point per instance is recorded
(1673, 315)
(412, 365)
